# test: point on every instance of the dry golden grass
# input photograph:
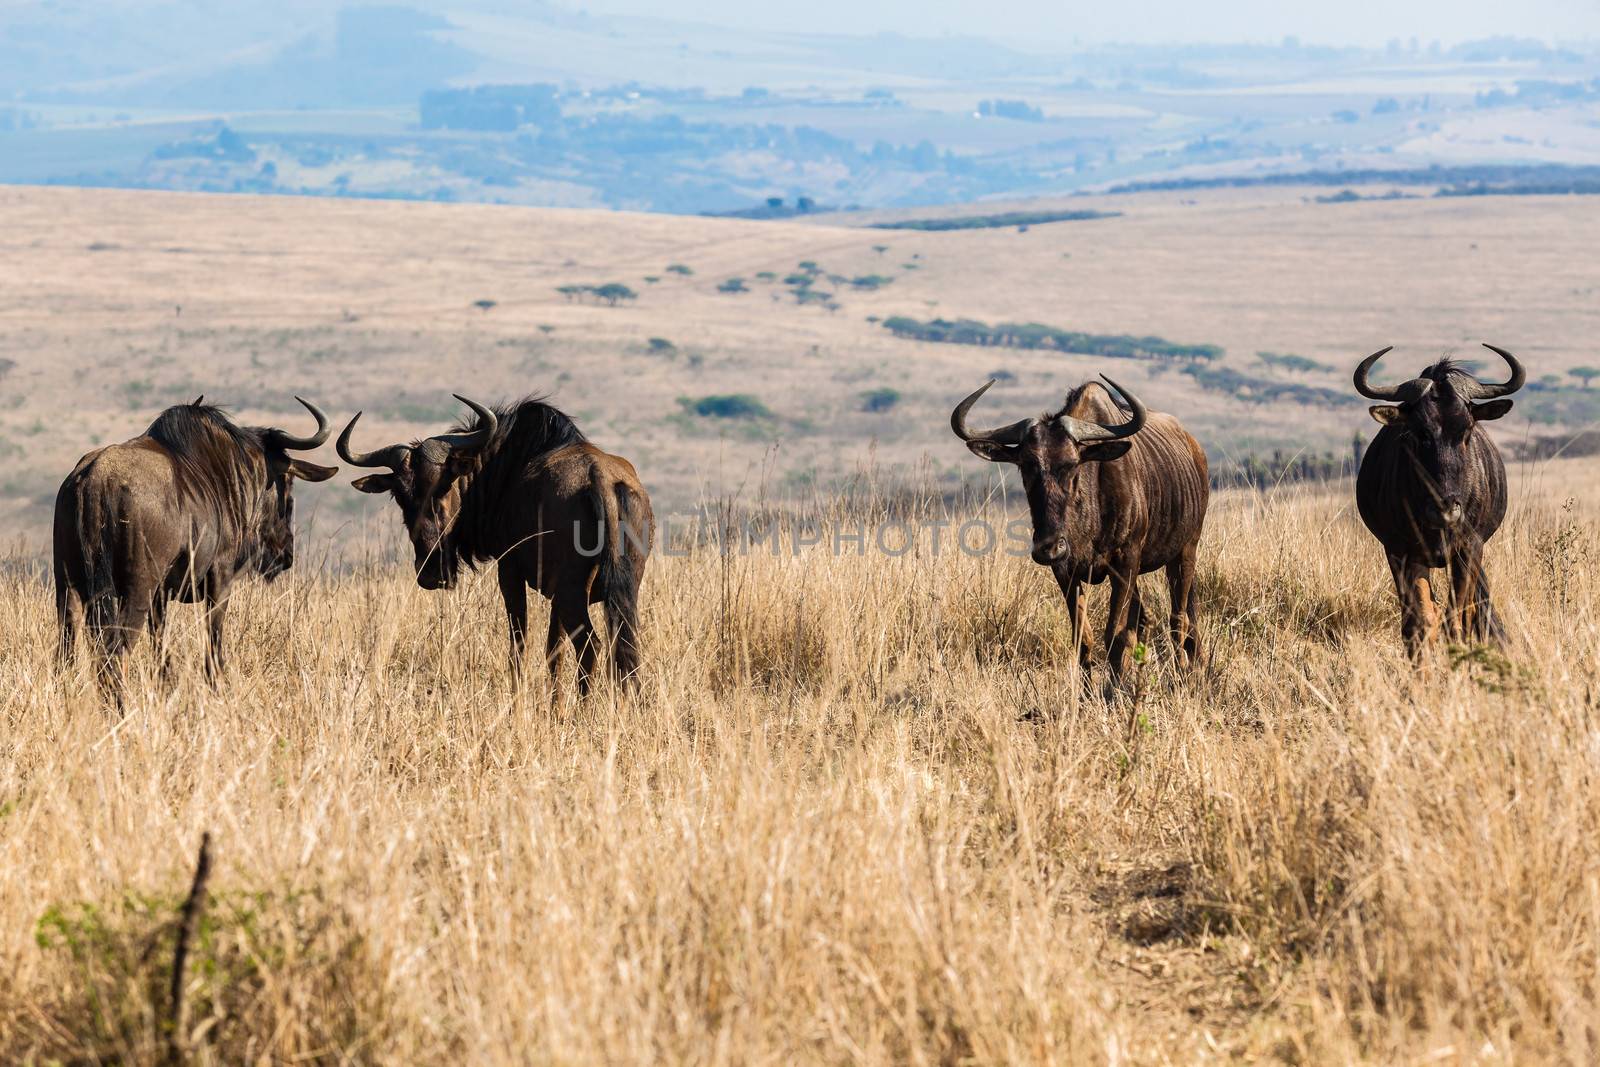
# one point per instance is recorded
(862, 811)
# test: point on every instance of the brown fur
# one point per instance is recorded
(174, 514)
(552, 511)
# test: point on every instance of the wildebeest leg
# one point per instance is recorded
(552, 650)
(514, 591)
(1122, 619)
(67, 608)
(158, 629)
(216, 613)
(575, 620)
(1472, 614)
(1419, 619)
(1078, 612)
(1181, 619)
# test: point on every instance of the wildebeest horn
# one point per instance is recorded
(1009, 435)
(1369, 391)
(383, 457)
(197, 400)
(289, 442)
(1472, 389)
(1083, 432)
(488, 423)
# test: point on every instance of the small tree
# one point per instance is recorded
(484, 305)
(680, 268)
(733, 285)
(611, 292)
(1585, 374)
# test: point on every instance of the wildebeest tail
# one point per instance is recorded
(618, 576)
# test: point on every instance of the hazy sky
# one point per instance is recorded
(1053, 22)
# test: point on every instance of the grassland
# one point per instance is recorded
(863, 810)
(119, 303)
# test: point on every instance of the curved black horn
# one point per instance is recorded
(1372, 392)
(1004, 434)
(383, 457)
(488, 423)
(1477, 390)
(196, 402)
(1092, 431)
(290, 442)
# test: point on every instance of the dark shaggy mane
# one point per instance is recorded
(1078, 393)
(528, 429)
(1444, 368)
(214, 458)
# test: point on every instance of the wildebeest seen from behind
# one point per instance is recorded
(520, 485)
(1112, 495)
(175, 514)
(1432, 489)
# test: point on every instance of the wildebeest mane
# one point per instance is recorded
(527, 430)
(214, 460)
(1079, 393)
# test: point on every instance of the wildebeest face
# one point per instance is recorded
(1048, 452)
(424, 484)
(1435, 428)
(425, 480)
(275, 538)
(1048, 459)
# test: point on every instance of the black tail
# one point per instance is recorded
(619, 577)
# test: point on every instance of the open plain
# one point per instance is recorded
(863, 808)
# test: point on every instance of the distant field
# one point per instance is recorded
(120, 303)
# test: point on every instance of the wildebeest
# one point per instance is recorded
(1112, 495)
(522, 486)
(1432, 489)
(175, 514)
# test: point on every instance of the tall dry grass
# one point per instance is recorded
(863, 809)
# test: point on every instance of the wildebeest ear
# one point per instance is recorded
(993, 451)
(374, 483)
(1104, 451)
(1490, 409)
(311, 472)
(1388, 414)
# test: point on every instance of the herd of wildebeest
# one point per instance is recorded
(1114, 491)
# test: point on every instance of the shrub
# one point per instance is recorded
(879, 400)
(249, 949)
(733, 285)
(679, 268)
(726, 406)
(661, 344)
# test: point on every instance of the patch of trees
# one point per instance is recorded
(1292, 363)
(1551, 446)
(991, 222)
(774, 208)
(1265, 472)
(1020, 110)
(1478, 179)
(490, 107)
(1038, 335)
(1255, 390)
(611, 293)
(225, 145)
(1350, 196)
